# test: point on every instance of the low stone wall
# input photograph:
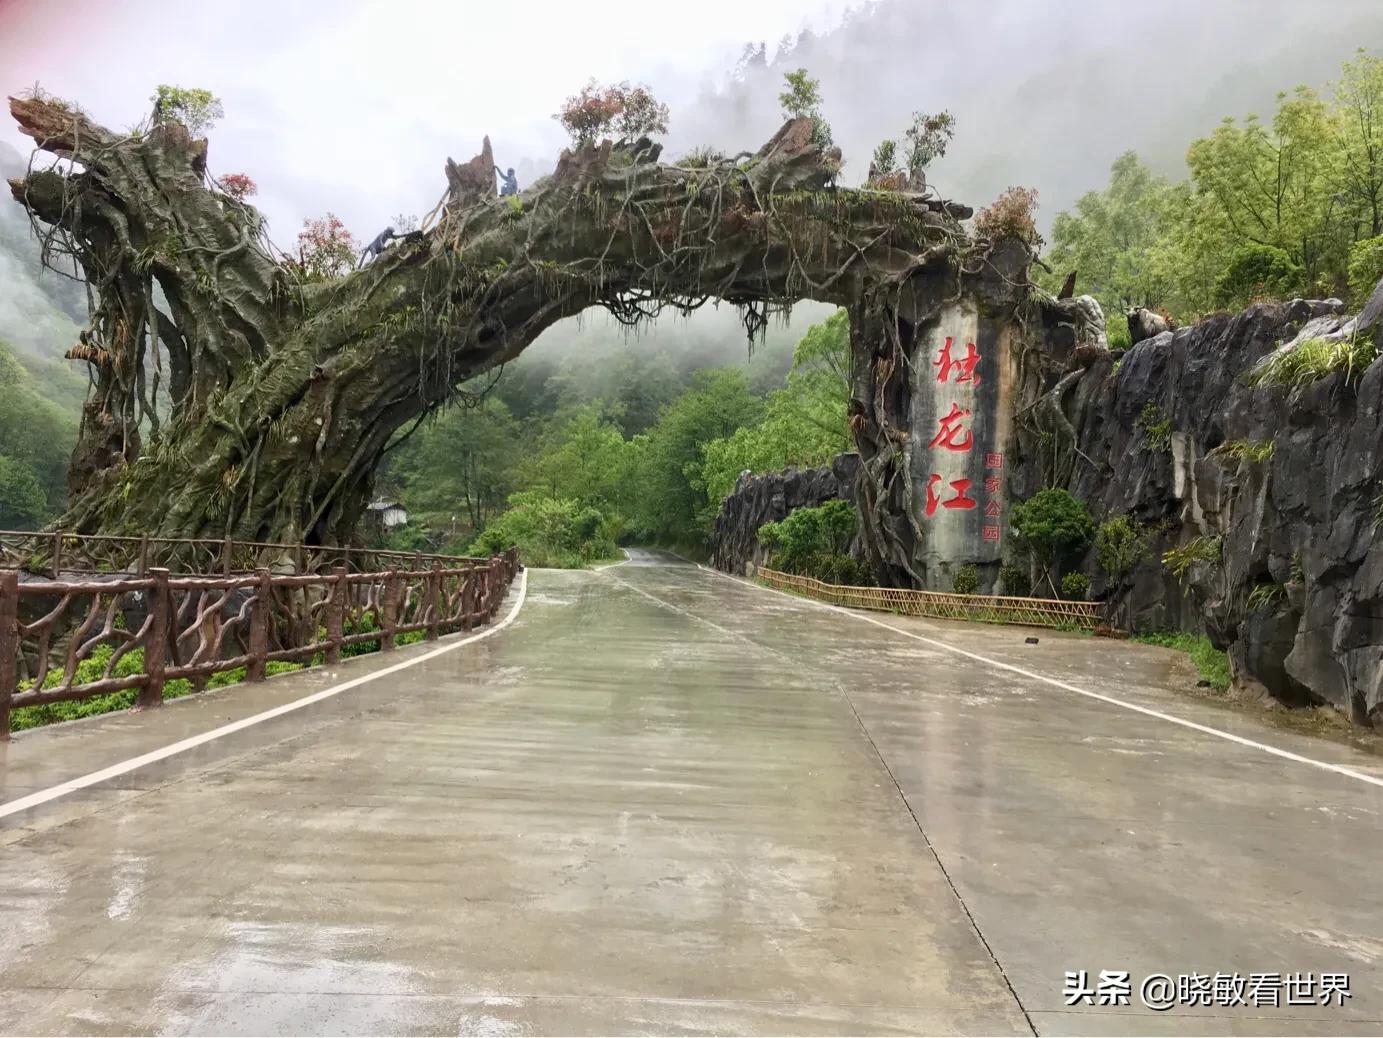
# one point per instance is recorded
(768, 499)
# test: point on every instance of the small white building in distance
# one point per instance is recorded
(387, 514)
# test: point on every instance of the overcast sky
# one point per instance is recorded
(352, 106)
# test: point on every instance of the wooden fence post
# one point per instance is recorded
(9, 645)
(389, 610)
(258, 667)
(467, 596)
(226, 557)
(482, 592)
(495, 587)
(143, 566)
(336, 612)
(434, 604)
(57, 553)
(156, 646)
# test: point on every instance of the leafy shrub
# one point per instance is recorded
(1157, 428)
(1120, 544)
(1210, 661)
(1053, 525)
(1314, 359)
(1255, 271)
(1075, 586)
(1015, 580)
(1010, 216)
(549, 531)
(815, 542)
(966, 581)
(826, 529)
(1365, 268)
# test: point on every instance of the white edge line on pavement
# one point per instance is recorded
(1360, 776)
(43, 796)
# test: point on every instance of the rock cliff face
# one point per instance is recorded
(768, 499)
(1280, 488)
(1290, 574)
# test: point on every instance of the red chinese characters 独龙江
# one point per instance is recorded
(951, 434)
(959, 500)
(945, 364)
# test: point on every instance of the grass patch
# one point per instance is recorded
(1264, 596)
(1314, 359)
(1248, 450)
(1157, 428)
(1210, 661)
(1199, 549)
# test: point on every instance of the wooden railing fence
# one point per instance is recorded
(56, 551)
(941, 605)
(161, 627)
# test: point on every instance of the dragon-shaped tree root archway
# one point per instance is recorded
(280, 395)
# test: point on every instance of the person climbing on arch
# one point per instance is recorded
(510, 185)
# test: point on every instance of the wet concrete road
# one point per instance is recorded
(662, 801)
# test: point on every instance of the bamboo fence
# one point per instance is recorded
(942, 605)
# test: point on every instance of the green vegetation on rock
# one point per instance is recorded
(1314, 359)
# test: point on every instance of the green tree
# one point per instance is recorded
(461, 464)
(582, 456)
(1053, 526)
(1365, 268)
(1359, 139)
(668, 500)
(804, 423)
(802, 99)
(34, 433)
(1256, 270)
(23, 505)
(196, 109)
(1108, 236)
(1121, 544)
(1273, 185)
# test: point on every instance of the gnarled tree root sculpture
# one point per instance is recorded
(280, 395)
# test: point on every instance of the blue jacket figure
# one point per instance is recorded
(511, 182)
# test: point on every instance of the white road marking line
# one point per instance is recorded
(43, 796)
(1360, 776)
